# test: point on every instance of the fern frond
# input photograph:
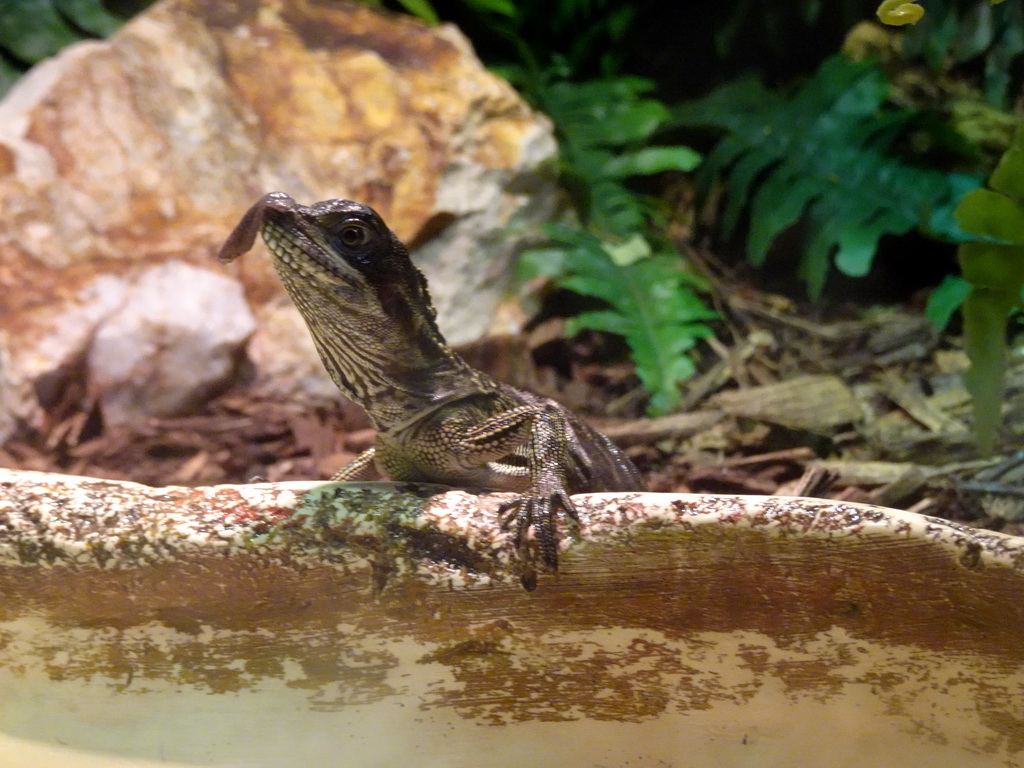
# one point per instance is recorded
(824, 156)
(604, 126)
(651, 303)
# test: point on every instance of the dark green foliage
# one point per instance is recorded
(946, 299)
(962, 31)
(91, 16)
(533, 41)
(781, 24)
(9, 74)
(563, 40)
(824, 155)
(31, 30)
(606, 126)
(993, 265)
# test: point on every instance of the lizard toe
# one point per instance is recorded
(541, 513)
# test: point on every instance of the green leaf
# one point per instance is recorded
(90, 16)
(421, 9)
(607, 112)
(992, 265)
(777, 205)
(635, 123)
(942, 221)
(628, 252)
(541, 262)
(650, 303)
(1008, 177)
(732, 106)
(995, 272)
(604, 125)
(9, 75)
(961, 32)
(856, 245)
(614, 210)
(607, 320)
(822, 156)
(985, 314)
(941, 35)
(503, 7)
(648, 160)
(856, 249)
(725, 34)
(990, 215)
(817, 258)
(946, 299)
(31, 30)
(1001, 58)
(974, 34)
(620, 20)
(742, 176)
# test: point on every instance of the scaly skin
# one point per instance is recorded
(438, 419)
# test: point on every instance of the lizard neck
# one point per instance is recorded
(396, 365)
(366, 305)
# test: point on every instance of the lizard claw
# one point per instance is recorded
(540, 511)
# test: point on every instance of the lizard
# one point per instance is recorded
(369, 312)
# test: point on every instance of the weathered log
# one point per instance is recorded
(381, 624)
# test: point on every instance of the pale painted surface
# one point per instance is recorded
(379, 625)
(725, 712)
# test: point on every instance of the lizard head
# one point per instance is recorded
(364, 301)
(335, 251)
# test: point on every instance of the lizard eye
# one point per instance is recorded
(353, 234)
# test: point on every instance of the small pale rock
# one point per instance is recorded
(35, 374)
(285, 357)
(178, 338)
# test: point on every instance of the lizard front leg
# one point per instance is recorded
(360, 468)
(540, 434)
(528, 447)
(547, 453)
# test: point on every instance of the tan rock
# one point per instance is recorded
(151, 145)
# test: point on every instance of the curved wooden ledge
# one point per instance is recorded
(264, 624)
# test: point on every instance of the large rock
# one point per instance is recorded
(150, 146)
